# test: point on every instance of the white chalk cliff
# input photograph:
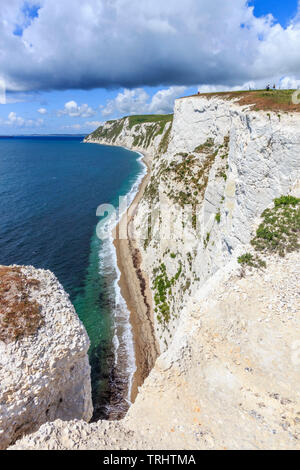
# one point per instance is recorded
(229, 372)
(44, 375)
(249, 159)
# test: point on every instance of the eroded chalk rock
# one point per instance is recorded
(44, 368)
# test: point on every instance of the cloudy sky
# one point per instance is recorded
(68, 65)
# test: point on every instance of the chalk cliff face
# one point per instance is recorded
(229, 380)
(238, 161)
(141, 133)
(44, 374)
(216, 166)
(228, 375)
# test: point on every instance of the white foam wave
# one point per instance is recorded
(123, 336)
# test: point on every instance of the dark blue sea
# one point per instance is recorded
(50, 188)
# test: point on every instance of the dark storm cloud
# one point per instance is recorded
(130, 43)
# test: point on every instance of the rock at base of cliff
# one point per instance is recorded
(44, 367)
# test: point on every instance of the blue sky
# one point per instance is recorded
(68, 65)
(283, 11)
(53, 102)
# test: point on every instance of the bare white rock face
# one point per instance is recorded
(45, 376)
(257, 159)
(229, 380)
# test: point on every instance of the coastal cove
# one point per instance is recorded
(57, 184)
(225, 375)
(149, 228)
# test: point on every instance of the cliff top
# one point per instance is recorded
(44, 376)
(146, 118)
(262, 100)
(113, 128)
(19, 314)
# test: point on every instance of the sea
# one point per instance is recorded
(50, 189)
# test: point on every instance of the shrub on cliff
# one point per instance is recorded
(277, 233)
(280, 228)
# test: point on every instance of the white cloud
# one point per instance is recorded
(2, 91)
(42, 111)
(136, 43)
(217, 88)
(289, 82)
(93, 124)
(72, 109)
(127, 102)
(163, 101)
(137, 101)
(87, 126)
(17, 121)
(13, 119)
(285, 82)
(72, 126)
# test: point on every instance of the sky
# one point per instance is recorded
(66, 66)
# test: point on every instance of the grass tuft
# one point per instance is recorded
(262, 100)
(162, 286)
(251, 260)
(19, 315)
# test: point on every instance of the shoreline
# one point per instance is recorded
(134, 287)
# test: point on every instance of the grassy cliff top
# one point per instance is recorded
(144, 118)
(111, 132)
(272, 100)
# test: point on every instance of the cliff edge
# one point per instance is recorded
(44, 368)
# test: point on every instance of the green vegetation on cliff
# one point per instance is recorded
(155, 125)
(145, 118)
(277, 233)
(109, 133)
(162, 286)
(265, 100)
(142, 137)
(191, 174)
(280, 228)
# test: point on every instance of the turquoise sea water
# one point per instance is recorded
(50, 188)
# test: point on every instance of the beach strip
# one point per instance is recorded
(136, 292)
